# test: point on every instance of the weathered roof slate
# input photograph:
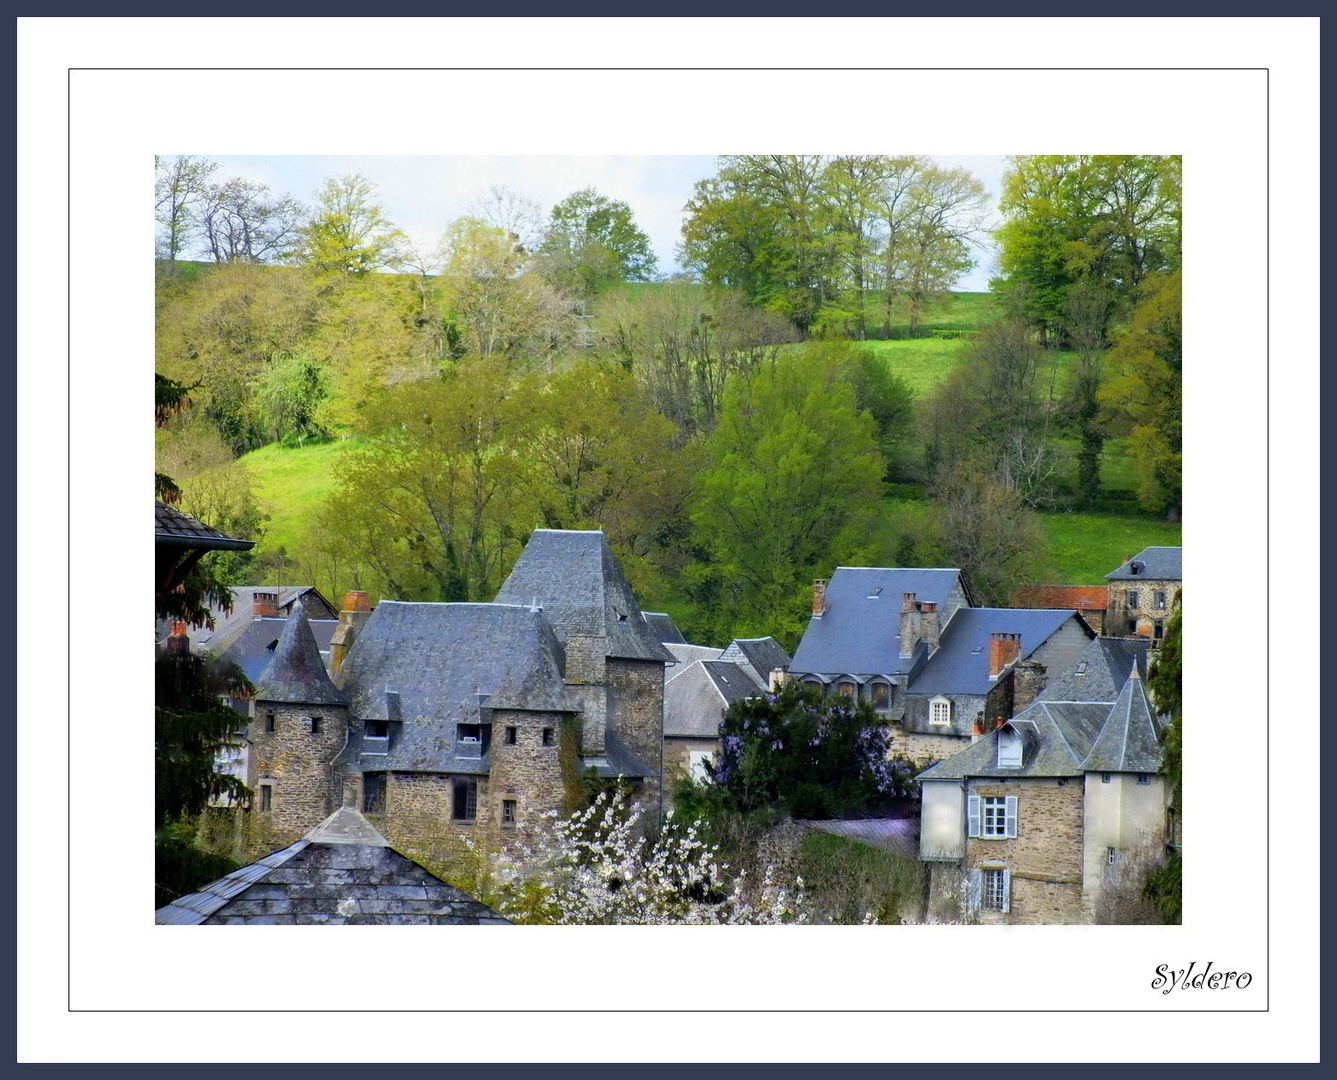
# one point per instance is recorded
(296, 673)
(1099, 671)
(1154, 564)
(574, 577)
(860, 631)
(253, 648)
(758, 656)
(1129, 741)
(961, 664)
(664, 628)
(447, 663)
(342, 872)
(695, 701)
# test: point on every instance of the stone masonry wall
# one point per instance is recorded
(296, 765)
(527, 772)
(419, 808)
(636, 713)
(923, 748)
(1122, 619)
(1045, 858)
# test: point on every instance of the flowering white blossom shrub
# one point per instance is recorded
(597, 866)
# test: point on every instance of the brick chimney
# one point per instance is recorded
(178, 641)
(977, 729)
(819, 597)
(353, 615)
(1003, 649)
(265, 605)
(909, 623)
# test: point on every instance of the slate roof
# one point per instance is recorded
(1130, 739)
(1068, 738)
(617, 760)
(695, 701)
(860, 631)
(229, 625)
(1156, 564)
(342, 872)
(296, 673)
(961, 664)
(1100, 671)
(255, 645)
(573, 576)
(664, 628)
(758, 656)
(685, 655)
(440, 660)
(172, 528)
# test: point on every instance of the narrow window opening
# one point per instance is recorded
(266, 798)
(548, 739)
(269, 723)
(508, 811)
(510, 736)
(466, 800)
(315, 725)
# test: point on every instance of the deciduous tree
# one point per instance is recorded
(591, 242)
(348, 231)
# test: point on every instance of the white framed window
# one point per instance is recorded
(991, 817)
(1009, 749)
(940, 711)
(991, 889)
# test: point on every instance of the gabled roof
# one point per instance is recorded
(573, 576)
(1152, 563)
(445, 664)
(664, 628)
(695, 701)
(296, 673)
(1130, 741)
(1068, 738)
(1100, 671)
(758, 656)
(685, 655)
(229, 625)
(172, 528)
(860, 630)
(961, 664)
(342, 871)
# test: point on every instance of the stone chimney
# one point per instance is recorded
(930, 625)
(353, 615)
(178, 641)
(1003, 650)
(266, 605)
(819, 597)
(909, 623)
(1028, 679)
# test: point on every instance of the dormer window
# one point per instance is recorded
(940, 711)
(1009, 749)
(880, 695)
(845, 689)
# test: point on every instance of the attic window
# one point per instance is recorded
(1009, 749)
(880, 693)
(469, 733)
(875, 593)
(1144, 778)
(940, 711)
(378, 729)
(273, 645)
(846, 689)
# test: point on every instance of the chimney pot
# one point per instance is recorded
(265, 605)
(908, 601)
(1003, 650)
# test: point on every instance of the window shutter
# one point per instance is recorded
(976, 881)
(1010, 817)
(1007, 890)
(973, 815)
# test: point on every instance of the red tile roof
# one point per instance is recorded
(1071, 597)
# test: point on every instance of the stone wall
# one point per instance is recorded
(1045, 858)
(636, 713)
(1123, 619)
(527, 772)
(295, 764)
(923, 748)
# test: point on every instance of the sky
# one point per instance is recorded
(422, 195)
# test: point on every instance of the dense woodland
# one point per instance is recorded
(811, 394)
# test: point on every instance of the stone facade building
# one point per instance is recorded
(447, 721)
(1053, 817)
(1143, 591)
(913, 644)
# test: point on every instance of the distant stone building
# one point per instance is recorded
(1055, 816)
(446, 721)
(912, 643)
(1142, 593)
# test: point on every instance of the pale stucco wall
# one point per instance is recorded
(942, 830)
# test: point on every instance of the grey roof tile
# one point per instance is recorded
(174, 529)
(961, 664)
(695, 701)
(860, 632)
(447, 663)
(1130, 739)
(758, 657)
(1100, 671)
(304, 883)
(1152, 564)
(296, 673)
(575, 578)
(664, 629)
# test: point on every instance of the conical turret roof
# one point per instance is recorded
(297, 674)
(1129, 741)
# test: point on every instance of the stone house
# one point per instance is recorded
(446, 721)
(341, 872)
(1054, 816)
(1142, 592)
(912, 643)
